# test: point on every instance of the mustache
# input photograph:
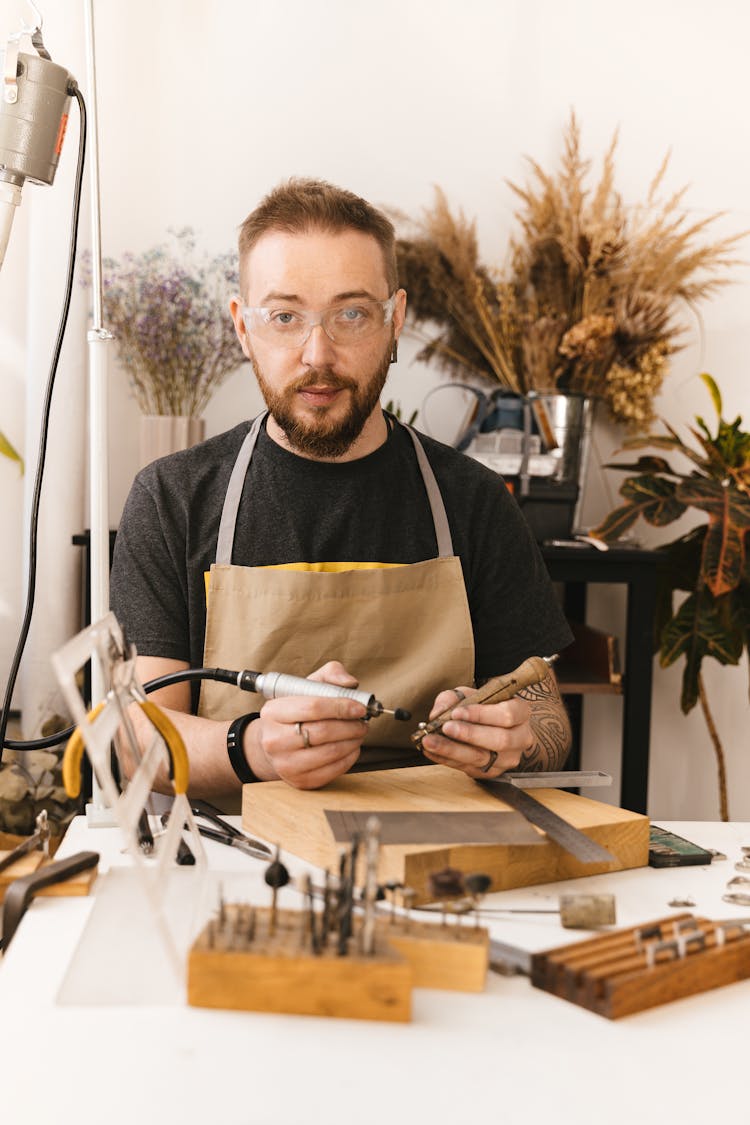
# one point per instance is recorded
(323, 377)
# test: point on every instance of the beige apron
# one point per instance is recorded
(404, 631)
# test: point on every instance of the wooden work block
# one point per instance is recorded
(451, 956)
(28, 864)
(273, 973)
(296, 820)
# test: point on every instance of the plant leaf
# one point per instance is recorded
(714, 392)
(729, 518)
(660, 441)
(682, 561)
(643, 465)
(7, 450)
(614, 526)
(703, 626)
(656, 498)
(651, 497)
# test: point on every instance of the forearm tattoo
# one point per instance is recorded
(550, 724)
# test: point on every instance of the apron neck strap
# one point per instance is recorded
(439, 517)
(225, 542)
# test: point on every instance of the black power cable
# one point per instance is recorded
(224, 675)
(46, 410)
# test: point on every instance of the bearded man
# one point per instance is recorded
(327, 540)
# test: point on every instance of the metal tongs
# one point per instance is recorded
(40, 839)
(224, 833)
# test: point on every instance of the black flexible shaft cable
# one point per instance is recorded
(223, 675)
(42, 457)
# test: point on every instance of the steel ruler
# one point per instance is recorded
(558, 779)
(561, 831)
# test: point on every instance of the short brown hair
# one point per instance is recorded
(298, 205)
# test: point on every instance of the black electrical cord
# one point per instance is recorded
(46, 410)
(224, 675)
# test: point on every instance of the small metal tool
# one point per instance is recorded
(532, 671)
(225, 833)
(558, 779)
(241, 844)
(509, 960)
(184, 857)
(276, 876)
(39, 839)
(274, 685)
(577, 911)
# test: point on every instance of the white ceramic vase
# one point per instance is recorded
(161, 434)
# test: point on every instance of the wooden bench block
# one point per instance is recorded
(296, 820)
(452, 957)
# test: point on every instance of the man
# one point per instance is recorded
(329, 541)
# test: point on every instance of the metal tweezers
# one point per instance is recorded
(224, 833)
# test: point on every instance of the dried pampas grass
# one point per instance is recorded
(590, 300)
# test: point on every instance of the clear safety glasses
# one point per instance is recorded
(344, 323)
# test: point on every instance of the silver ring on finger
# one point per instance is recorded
(304, 734)
(493, 755)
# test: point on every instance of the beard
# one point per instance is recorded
(323, 436)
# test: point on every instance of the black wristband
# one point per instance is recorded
(237, 758)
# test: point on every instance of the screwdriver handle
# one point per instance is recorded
(496, 690)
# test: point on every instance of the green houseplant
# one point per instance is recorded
(709, 563)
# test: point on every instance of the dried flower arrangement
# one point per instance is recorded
(168, 312)
(587, 303)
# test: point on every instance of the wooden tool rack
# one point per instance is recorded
(627, 971)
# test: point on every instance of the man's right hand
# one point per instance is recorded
(308, 741)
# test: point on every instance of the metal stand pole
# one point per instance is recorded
(99, 344)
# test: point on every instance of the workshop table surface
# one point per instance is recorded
(512, 1053)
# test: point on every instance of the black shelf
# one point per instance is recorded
(576, 567)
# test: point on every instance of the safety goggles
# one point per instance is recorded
(345, 323)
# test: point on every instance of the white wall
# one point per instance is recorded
(204, 106)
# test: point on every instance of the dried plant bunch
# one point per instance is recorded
(168, 311)
(590, 298)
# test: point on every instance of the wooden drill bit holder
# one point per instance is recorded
(453, 956)
(278, 972)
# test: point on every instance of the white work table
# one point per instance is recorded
(510, 1054)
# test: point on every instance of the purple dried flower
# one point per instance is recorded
(169, 314)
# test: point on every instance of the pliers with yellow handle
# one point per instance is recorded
(179, 768)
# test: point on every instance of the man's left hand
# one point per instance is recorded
(482, 740)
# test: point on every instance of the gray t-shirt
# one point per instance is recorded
(293, 509)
